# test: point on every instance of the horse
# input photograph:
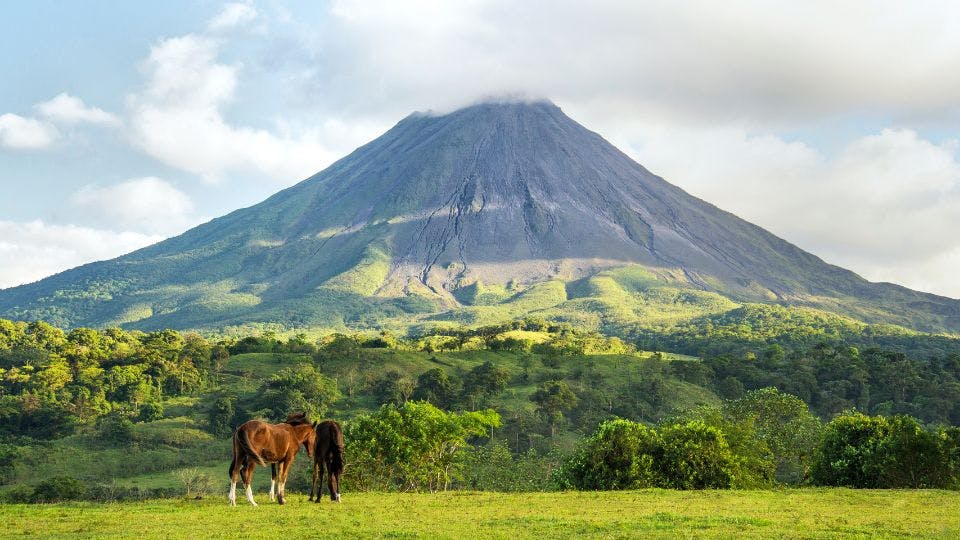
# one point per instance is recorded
(327, 454)
(257, 442)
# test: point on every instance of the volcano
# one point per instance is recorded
(495, 210)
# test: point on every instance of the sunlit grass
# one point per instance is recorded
(801, 513)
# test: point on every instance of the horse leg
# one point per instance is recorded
(283, 468)
(247, 474)
(234, 476)
(333, 482)
(313, 485)
(273, 480)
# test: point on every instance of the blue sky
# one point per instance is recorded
(831, 124)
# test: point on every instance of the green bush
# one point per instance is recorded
(299, 388)
(220, 415)
(784, 424)
(494, 468)
(116, 428)
(414, 446)
(694, 456)
(848, 451)
(56, 489)
(150, 412)
(886, 452)
(628, 455)
(619, 455)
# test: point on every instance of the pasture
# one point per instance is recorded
(794, 513)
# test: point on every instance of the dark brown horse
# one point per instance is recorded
(328, 455)
(258, 443)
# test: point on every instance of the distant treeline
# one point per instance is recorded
(103, 383)
(754, 327)
(761, 439)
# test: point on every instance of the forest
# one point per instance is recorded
(525, 405)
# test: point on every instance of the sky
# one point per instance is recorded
(833, 125)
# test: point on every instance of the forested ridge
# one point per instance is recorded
(521, 405)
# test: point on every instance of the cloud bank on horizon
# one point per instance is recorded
(831, 125)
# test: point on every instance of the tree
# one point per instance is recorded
(436, 387)
(484, 382)
(220, 415)
(553, 398)
(299, 388)
(785, 424)
(694, 455)
(619, 455)
(847, 454)
(911, 457)
(414, 446)
(393, 386)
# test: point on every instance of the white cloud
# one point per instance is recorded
(233, 15)
(177, 118)
(883, 206)
(69, 109)
(696, 60)
(33, 250)
(148, 205)
(20, 133)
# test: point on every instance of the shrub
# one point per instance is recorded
(150, 412)
(220, 415)
(848, 451)
(619, 455)
(885, 452)
(413, 446)
(694, 456)
(8, 456)
(299, 388)
(494, 468)
(116, 428)
(784, 424)
(56, 489)
(197, 484)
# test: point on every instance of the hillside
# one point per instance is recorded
(493, 211)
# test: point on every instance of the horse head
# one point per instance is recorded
(311, 439)
(297, 418)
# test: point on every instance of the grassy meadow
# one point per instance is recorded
(793, 513)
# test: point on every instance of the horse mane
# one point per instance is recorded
(297, 418)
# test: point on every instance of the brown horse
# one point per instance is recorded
(327, 454)
(258, 443)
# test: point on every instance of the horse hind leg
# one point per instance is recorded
(247, 474)
(234, 477)
(333, 483)
(313, 484)
(273, 481)
(283, 470)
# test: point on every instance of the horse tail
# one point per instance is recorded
(243, 440)
(336, 449)
(234, 463)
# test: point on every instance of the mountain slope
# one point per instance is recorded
(472, 212)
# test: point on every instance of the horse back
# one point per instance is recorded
(328, 447)
(271, 441)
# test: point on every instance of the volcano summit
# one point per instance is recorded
(493, 211)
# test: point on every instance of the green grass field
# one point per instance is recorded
(797, 513)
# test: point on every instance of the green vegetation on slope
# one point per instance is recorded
(160, 404)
